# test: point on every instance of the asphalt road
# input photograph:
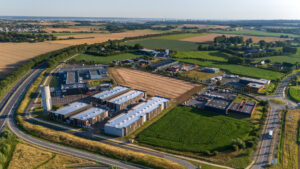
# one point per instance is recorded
(266, 150)
(7, 116)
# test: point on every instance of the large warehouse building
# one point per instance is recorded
(103, 97)
(89, 117)
(124, 124)
(121, 102)
(64, 113)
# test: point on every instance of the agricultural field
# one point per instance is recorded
(154, 84)
(289, 58)
(205, 38)
(255, 33)
(27, 156)
(91, 38)
(205, 55)
(193, 130)
(104, 59)
(15, 54)
(180, 36)
(294, 93)
(237, 69)
(165, 44)
(205, 26)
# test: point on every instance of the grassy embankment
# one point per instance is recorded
(8, 142)
(27, 156)
(294, 93)
(89, 145)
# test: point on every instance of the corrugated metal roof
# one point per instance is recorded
(112, 92)
(126, 97)
(89, 114)
(71, 108)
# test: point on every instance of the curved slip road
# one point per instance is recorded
(10, 107)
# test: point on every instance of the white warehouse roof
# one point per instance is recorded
(109, 93)
(127, 96)
(71, 108)
(140, 110)
(89, 114)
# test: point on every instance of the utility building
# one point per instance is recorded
(64, 113)
(121, 102)
(125, 124)
(89, 117)
(243, 108)
(103, 97)
(46, 98)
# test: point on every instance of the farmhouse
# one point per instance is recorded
(109, 94)
(64, 113)
(89, 117)
(125, 124)
(218, 105)
(244, 108)
(121, 102)
(163, 64)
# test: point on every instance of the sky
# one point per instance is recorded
(173, 9)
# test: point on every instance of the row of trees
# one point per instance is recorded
(8, 143)
(21, 37)
(111, 48)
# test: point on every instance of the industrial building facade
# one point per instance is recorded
(125, 124)
(103, 97)
(121, 102)
(89, 117)
(64, 113)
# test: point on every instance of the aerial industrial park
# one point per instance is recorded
(140, 84)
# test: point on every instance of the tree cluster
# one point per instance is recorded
(20, 37)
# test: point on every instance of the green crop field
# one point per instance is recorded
(104, 59)
(294, 93)
(289, 58)
(193, 130)
(179, 36)
(237, 69)
(255, 33)
(164, 44)
(206, 55)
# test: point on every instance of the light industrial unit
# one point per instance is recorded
(64, 113)
(126, 123)
(121, 102)
(89, 117)
(103, 97)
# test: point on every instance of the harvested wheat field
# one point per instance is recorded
(101, 37)
(175, 89)
(14, 54)
(71, 29)
(210, 37)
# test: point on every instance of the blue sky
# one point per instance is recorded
(181, 9)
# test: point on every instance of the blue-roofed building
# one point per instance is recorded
(126, 123)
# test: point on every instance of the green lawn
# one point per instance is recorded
(255, 33)
(105, 59)
(206, 55)
(237, 69)
(192, 130)
(164, 44)
(294, 93)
